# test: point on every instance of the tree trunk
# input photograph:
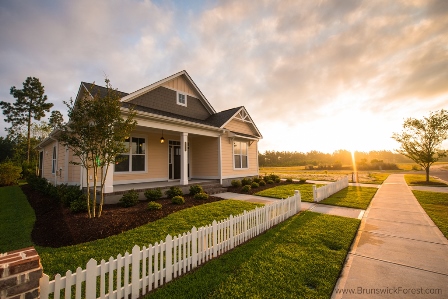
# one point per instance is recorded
(88, 191)
(427, 174)
(29, 138)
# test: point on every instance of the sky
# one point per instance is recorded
(313, 75)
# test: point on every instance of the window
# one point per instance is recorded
(133, 159)
(181, 99)
(53, 161)
(240, 154)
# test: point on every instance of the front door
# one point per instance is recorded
(174, 160)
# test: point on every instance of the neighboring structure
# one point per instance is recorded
(199, 143)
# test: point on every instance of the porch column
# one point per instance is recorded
(184, 159)
(109, 181)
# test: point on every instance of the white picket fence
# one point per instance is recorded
(148, 268)
(330, 189)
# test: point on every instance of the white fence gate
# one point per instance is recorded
(148, 268)
(330, 189)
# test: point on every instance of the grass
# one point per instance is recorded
(285, 191)
(420, 180)
(352, 197)
(435, 205)
(298, 172)
(299, 258)
(17, 219)
(59, 260)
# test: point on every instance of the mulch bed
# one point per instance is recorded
(56, 226)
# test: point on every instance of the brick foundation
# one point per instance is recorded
(20, 271)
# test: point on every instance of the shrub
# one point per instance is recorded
(79, 205)
(273, 177)
(178, 200)
(195, 189)
(256, 180)
(173, 191)
(236, 183)
(9, 173)
(129, 199)
(277, 180)
(153, 194)
(254, 185)
(246, 188)
(68, 194)
(262, 183)
(246, 181)
(302, 181)
(152, 205)
(270, 182)
(201, 195)
(289, 180)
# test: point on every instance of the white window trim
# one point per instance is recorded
(233, 156)
(130, 155)
(177, 98)
(54, 158)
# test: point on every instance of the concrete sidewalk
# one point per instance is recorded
(430, 189)
(398, 251)
(318, 208)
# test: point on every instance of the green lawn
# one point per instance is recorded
(299, 258)
(59, 260)
(16, 218)
(285, 191)
(352, 197)
(420, 180)
(435, 205)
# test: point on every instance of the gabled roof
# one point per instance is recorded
(100, 90)
(221, 118)
(159, 83)
(246, 118)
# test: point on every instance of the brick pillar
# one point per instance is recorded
(20, 271)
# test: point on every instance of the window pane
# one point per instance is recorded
(138, 145)
(237, 159)
(138, 163)
(236, 148)
(123, 165)
(244, 148)
(244, 161)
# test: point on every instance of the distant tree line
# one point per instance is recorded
(339, 159)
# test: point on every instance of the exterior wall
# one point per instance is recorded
(74, 171)
(164, 99)
(228, 170)
(47, 163)
(156, 160)
(204, 157)
(240, 126)
(181, 84)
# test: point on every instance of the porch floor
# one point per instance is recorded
(164, 184)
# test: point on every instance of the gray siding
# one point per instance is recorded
(164, 99)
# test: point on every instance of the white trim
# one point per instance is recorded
(247, 156)
(205, 177)
(238, 175)
(220, 159)
(67, 152)
(247, 116)
(177, 98)
(145, 180)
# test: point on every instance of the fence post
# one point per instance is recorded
(91, 279)
(135, 279)
(232, 237)
(194, 247)
(215, 238)
(168, 258)
(298, 201)
(314, 193)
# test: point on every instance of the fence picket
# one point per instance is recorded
(174, 257)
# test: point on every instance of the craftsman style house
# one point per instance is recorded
(179, 139)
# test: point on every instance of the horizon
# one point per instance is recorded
(313, 76)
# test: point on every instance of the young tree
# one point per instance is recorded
(421, 139)
(30, 104)
(96, 131)
(56, 119)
